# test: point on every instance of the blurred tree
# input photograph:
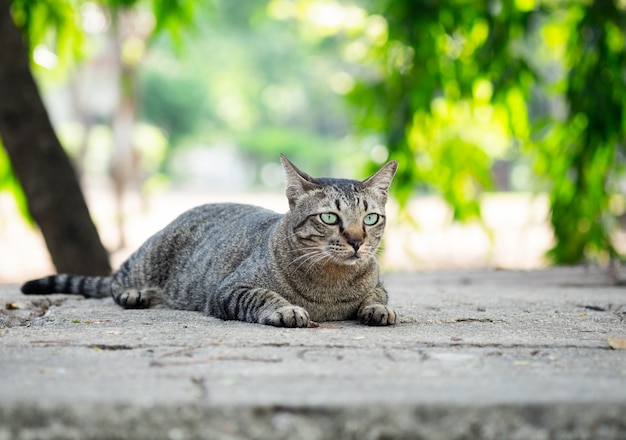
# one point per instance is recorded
(460, 83)
(51, 188)
(50, 185)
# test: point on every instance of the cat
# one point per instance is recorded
(315, 263)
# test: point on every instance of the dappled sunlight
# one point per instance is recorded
(327, 17)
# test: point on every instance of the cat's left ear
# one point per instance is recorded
(298, 182)
(381, 180)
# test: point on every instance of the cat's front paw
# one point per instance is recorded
(288, 316)
(377, 314)
(134, 299)
(149, 297)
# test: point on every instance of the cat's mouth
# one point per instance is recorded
(352, 259)
(347, 256)
(347, 260)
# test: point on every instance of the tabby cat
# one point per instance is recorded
(314, 263)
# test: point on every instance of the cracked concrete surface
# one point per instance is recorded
(488, 354)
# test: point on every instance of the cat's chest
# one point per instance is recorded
(333, 311)
(326, 300)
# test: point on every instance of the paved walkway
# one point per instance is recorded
(489, 354)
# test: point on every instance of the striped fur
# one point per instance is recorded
(314, 263)
(89, 287)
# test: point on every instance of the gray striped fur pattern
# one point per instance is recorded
(317, 262)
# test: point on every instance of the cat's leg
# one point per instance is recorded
(257, 305)
(375, 311)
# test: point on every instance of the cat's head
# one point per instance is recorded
(336, 221)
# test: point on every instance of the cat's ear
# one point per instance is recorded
(381, 180)
(298, 182)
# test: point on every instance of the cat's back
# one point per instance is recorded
(223, 220)
(210, 233)
(202, 247)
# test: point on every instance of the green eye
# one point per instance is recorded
(371, 219)
(329, 218)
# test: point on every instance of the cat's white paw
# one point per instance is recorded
(378, 314)
(288, 316)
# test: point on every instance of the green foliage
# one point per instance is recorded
(446, 74)
(55, 23)
(460, 84)
(9, 184)
(250, 82)
(265, 145)
(587, 142)
(176, 17)
(174, 102)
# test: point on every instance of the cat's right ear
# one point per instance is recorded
(298, 182)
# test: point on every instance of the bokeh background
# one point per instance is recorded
(507, 118)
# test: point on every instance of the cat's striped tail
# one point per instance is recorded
(89, 287)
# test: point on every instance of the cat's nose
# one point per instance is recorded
(355, 242)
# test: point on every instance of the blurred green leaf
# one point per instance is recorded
(9, 184)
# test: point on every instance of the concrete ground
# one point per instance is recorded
(484, 354)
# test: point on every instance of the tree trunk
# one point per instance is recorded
(55, 200)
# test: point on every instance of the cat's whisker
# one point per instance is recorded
(311, 262)
(319, 255)
(308, 251)
(324, 258)
(304, 257)
(307, 257)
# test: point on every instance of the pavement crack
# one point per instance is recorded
(110, 347)
(473, 320)
(72, 343)
(461, 345)
(187, 351)
(211, 359)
